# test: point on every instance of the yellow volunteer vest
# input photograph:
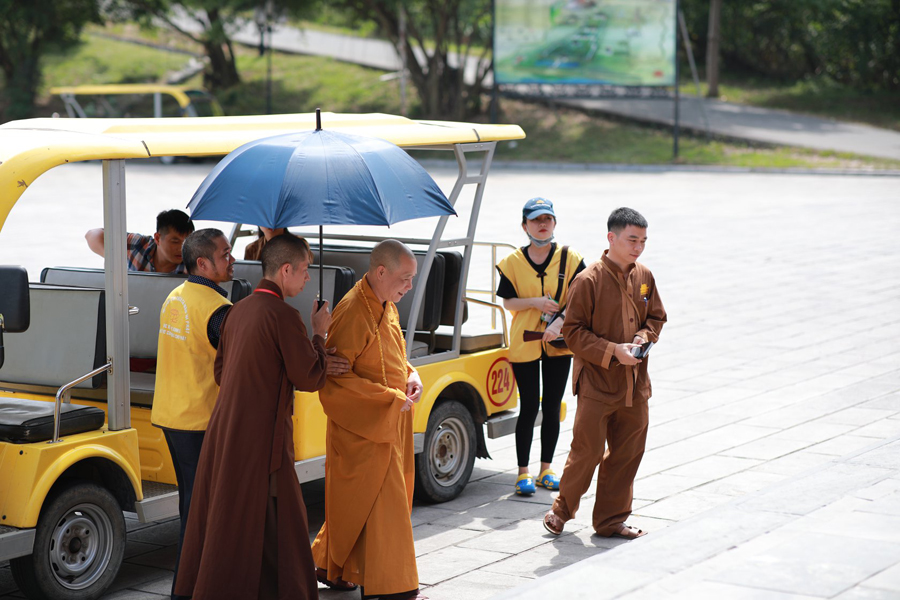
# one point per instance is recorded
(186, 388)
(522, 275)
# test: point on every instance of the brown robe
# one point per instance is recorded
(254, 249)
(608, 307)
(248, 457)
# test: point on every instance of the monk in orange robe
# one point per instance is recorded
(367, 537)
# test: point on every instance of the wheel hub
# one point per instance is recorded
(80, 546)
(448, 451)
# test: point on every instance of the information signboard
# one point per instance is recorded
(604, 43)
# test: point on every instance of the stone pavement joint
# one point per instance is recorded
(800, 536)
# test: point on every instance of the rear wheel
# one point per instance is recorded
(78, 547)
(443, 469)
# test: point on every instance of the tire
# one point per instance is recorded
(78, 547)
(443, 469)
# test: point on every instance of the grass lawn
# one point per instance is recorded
(818, 97)
(302, 83)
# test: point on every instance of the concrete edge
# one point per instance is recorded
(629, 168)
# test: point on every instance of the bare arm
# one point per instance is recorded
(541, 303)
(94, 239)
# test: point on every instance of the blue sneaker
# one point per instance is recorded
(548, 479)
(525, 485)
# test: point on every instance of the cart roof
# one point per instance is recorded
(30, 147)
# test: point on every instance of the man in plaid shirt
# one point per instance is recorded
(160, 252)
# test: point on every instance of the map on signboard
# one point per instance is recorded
(610, 42)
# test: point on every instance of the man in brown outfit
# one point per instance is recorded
(247, 535)
(614, 307)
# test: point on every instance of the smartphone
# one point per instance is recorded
(643, 351)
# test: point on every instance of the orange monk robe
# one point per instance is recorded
(367, 537)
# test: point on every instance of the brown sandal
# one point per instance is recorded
(340, 585)
(553, 523)
(636, 532)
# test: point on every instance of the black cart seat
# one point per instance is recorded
(26, 421)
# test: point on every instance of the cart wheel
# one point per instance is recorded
(444, 467)
(78, 545)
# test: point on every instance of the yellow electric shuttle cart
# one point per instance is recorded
(76, 445)
(115, 100)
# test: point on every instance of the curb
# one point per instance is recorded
(625, 168)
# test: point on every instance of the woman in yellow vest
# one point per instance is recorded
(534, 282)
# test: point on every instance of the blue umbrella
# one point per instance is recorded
(318, 178)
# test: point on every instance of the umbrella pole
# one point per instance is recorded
(321, 267)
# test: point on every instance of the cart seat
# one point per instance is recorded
(26, 421)
(148, 291)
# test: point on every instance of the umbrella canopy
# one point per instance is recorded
(318, 177)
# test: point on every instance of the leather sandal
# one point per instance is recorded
(633, 531)
(553, 523)
(339, 586)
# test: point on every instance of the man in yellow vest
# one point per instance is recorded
(189, 325)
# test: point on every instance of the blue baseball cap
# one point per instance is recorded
(537, 207)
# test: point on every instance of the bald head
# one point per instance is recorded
(392, 268)
(390, 254)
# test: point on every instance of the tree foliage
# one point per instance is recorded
(28, 30)
(854, 42)
(441, 36)
(209, 23)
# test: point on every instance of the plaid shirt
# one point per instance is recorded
(141, 250)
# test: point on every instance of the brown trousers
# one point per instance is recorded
(624, 430)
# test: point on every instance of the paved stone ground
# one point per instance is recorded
(772, 463)
(831, 532)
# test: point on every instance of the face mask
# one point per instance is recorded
(537, 242)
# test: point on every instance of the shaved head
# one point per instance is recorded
(286, 248)
(389, 254)
(392, 268)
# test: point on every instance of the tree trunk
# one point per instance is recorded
(712, 48)
(222, 72)
(21, 90)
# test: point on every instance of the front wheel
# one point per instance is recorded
(444, 467)
(78, 547)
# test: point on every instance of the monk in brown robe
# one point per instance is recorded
(614, 308)
(247, 533)
(367, 537)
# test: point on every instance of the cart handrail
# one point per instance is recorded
(63, 392)
(495, 306)
(493, 290)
